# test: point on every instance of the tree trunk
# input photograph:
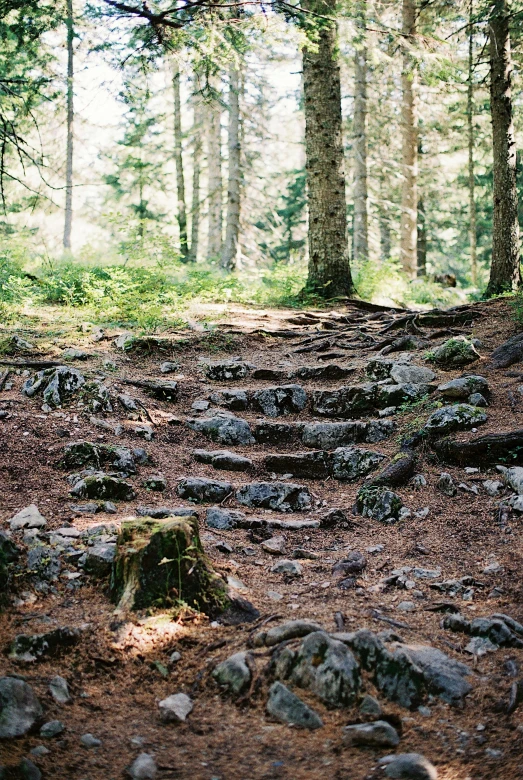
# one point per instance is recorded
(230, 248)
(329, 269)
(422, 240)
(68, 225)
(214, 173)
(178, 158)
(505, 273)
(470, 128)
(196, 169)
(360, 237)
(409, 120)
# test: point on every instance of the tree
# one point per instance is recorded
(232, 230)
(181, 213)
(409, 121)
(360, 230)
(214, 174)
(68, 225)
(196, 171)
(505, 270)
(329, 272)
(470, 132)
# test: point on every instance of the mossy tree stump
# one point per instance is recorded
(162, 563)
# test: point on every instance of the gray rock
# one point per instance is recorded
(350, 463)
(275, 433)
(493, 487)
(328, 436)
(168, 367)
(28, 771)
(175, 708)
(322, 665)
(347, 401)
(99, 559)
(155, 482)
(455, 352)
(370, 707)
(408, 373)
(379, 504)
(354, 563)
(476, 399)
(161, 512)
(143, 768)
(233, 673)
(409, 766)
(19, 344)
(125, 341)
(286, 707)
(329, 371)
(443, 676)
(129, 403)
(236, 400)
(446, 485)
(20, 709)
(227, 369)
(276, 401)
(75, 354)
(27, 648)
(89, 741)
(44, 563)
(29, 517)
(274, 546)
(87, 454)
(457, 417)
(200, 405)
(501, 630)
(223, 519)
(57, 385)
(223, 459)
(280, 496)
(59, 690)
(290, 568)
(461, 388)
(292, 629)
(103, 486)
(418, 481)
(395, 395)
(313, 465)
(203, 490)
(52, 729)
(513, 477)
(223, 428)
(40, 750)
(376, 734)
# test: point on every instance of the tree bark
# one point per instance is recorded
(196, 171)
(360, 238)
(232, 230)
(68, 225)
(422, 240)
(505, 272)
(470, 129)
(214, 174)
(409, 121)
(329, 270)
(181, 213)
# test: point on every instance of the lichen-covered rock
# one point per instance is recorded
(223, 519)
(285, 706)
(57, 385)
(99, 559)
(236, 400)
(455, 352)
(462, 388)
(280, 496)
(457, 417)
(203, 490)
(350, 463)
(376, 734)
(394, 395)
(291, 629)
(87, 454)
(227, 369)
(27, 648)
(20, 709)
(223, 428)
(313, 465)
(276, 433)
(347, 401)
(103, 486)
(223, 459)
(329, 371)
(379, 504)
(161, 562)
(29, 517)
(408, 373)
(276, 401)
(233, 674)
(328, 436)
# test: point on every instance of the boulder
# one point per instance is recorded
(462, 388)
(380, 504)
(454, 353)
(27, 648)
(223, 459)
(288, 568)
(286, 707)
(86, 454)
(103, 486)
(408, 373)
(203, 490)
(457, 417)
(223, 519)
(277, 401)
(57, 385)
(227, 369)
(161, 562)
(329, 371)
(223, 428)
(29, 517)
(233, 674)
(99, 559)
(236, 400)
(292, 629)
(349, 463)
(175, 708)
(20, 709)
(409, 766)
(155, 482)
(347, 401)
(312, 465)
(511, 351)
(59, 690)
(376, 734)
(280, 496)
(328, 436)
(513, 477)
(446, 485)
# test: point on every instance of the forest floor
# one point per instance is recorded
(121, 669)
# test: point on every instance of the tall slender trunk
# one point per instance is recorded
(504, 271)
(360, 235)
(232, 231)
(68, 225)
(329, 270)
(196, 170)
(214, 173)
(409, 121)
(422, 239)
(470, 129)
(181, 213)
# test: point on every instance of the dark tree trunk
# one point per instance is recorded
(505, 273)
(422, 239)
(470, 128)
(181, 213)
(360, 231)
(409, 121)
(329, 269)
(232, 229)
(196, 171)
(68, 225)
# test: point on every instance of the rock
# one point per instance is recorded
(280, 496)
(223, 519)
(275, 545)
(161, 512)
(322, 665)
(99, 559)
(493, 487)
(398, 471)
(227, 369)
(44, 563)
(200, 405)
(275, 433)
(143, 768)
(75, 354)
(333, 518)
(236, 400)
(480, 646)
(20, 709)
(86, 454)
(347, 401)
(408, 373)
(302, 554)
(354, 563)
(370, 707)
(233, 673)
(276, 401)
(376, 734)
(313, 465)
(129, 403)
(125, 341)
(28, 771)
(175, 708)
(89, 741)
(457, 417)
(52, 729)
(455, 352)
(461, 388)
(476, 399)
(292, 629)
(501, 630)
(239, 610)
(203, 490)
(392, 396)
(29, 517)
(511, 351)
(329, 371)
(27, 648)
(102, 486)
(290, 568)
(328, 436)
(379, 504)
(223, 459)
(18, 344)
(409, 766)
(168, 367)
(164, 391)
(286, 707)
(139, 581)
(155, 482)
(443, 676)
(223, 428)
(40, 750)
(446, 485)
(57, 385)
(349, 463)
(513, 477)
(59, 690)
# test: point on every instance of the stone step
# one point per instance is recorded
(345, 463)
(278, 496)
(230, 370)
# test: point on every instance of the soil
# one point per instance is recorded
(116, 673)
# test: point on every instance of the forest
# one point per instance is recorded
(261, 390)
